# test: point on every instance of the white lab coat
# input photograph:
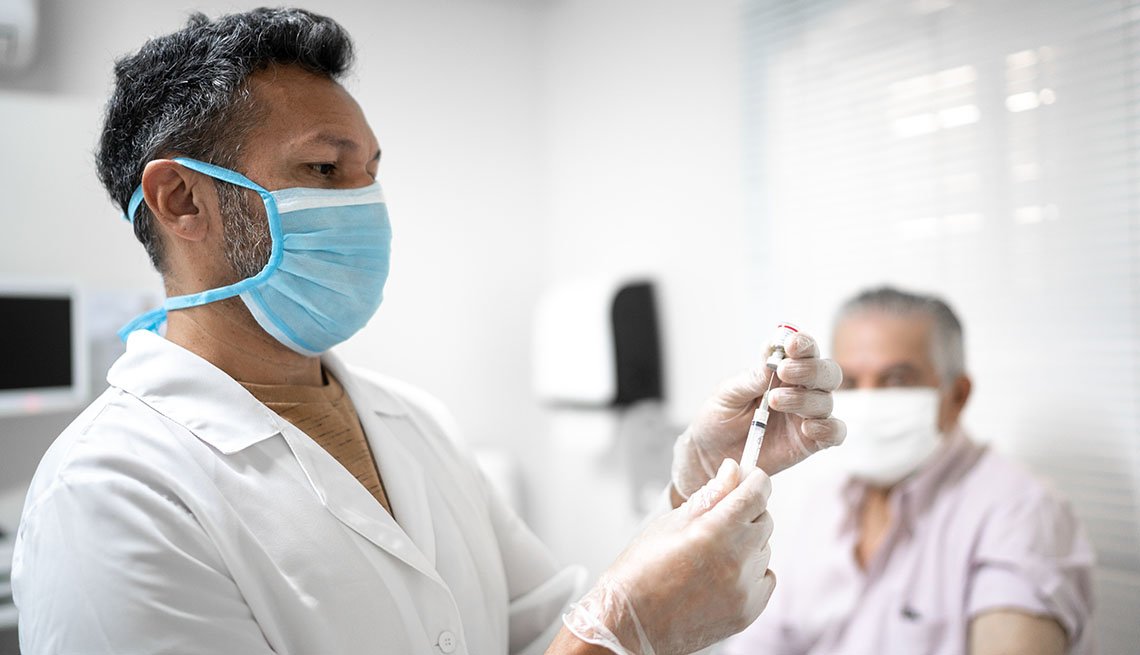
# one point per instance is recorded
(178, 514)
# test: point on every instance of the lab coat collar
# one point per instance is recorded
(193, 392)
(190, 390)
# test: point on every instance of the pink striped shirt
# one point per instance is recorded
(970, 532)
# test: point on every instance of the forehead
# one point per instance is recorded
(294, 103)
(872, 338)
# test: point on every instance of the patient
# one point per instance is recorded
(927, 542)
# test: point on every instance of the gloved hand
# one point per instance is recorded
(798, 425)
(694, 576)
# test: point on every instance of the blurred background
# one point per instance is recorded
(753, 161)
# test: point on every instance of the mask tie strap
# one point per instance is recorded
(147, 321)
(133, 206)
(153, 319)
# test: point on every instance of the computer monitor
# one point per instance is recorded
(43, 363)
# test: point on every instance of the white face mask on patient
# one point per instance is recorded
(891, 433)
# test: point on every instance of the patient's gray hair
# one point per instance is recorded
(947, 349)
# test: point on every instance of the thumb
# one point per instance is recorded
(742, 389)
(715, 489)
(748, 501)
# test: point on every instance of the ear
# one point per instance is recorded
(961, 391)
(954, 401)
(182, 201)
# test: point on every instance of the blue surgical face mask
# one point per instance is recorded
(326, 270)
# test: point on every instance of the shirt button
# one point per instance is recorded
(447, 641)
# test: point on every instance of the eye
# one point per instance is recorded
(324, 170)
(898, 379)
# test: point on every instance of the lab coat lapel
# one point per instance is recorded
(389, 430)
(403, 476)
(352, 504)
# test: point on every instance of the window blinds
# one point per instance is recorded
(989, 152)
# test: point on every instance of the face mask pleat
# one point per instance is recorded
(341, 278)
(348, 219)
(361, 231)
(287, 332)
(310, 324)
(359, 244)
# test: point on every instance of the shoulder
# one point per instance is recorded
(1022, 523)
(997, 487)
(115, 433)
(998, 468)
(114, 470)
(117, 448)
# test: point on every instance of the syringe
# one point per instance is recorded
(759, 426)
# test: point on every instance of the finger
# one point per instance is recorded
(764, 557)
(714, 490)
(767, 526)
(801, 346)
(770, 581)
(808, 403)
(758, 596)
(748, 501)
(823, 432)
(823, 374)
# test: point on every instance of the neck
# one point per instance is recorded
(874, 520)
(225, 334)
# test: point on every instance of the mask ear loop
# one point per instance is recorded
(156, 317)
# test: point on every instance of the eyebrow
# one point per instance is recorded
(901, 367)
(340, 142)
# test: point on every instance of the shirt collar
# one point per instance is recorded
(954, 457)
(201, 397)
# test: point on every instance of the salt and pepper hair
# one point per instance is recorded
(947, 348)
(186, 93)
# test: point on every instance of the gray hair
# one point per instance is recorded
(186, 93)
(947, 348)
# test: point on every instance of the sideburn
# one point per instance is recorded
(245, 230)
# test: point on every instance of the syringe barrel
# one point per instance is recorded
(784, 332)
(752, 445)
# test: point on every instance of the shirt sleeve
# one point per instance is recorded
(1033, 555)
(114, 566)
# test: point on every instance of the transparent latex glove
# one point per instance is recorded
(695, 575)
(799, 424)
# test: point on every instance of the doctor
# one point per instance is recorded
(237, 489)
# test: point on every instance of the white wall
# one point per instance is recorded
(644, 139)
(643, 135)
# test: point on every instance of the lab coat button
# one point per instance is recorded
(447, 642)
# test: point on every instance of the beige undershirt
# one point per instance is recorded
(326, 415)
